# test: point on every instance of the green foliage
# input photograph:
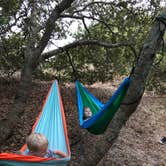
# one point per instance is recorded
(11, 55)
(126, 24)
(118, 21)
(122, 21)
(8, 8)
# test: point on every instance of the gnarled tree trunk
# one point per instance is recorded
(32, 55)
(17, 108)
(132, 100)
(138, 80)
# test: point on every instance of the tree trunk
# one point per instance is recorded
(101, 143)
(32, 55)
(17, 108)
(138, 81)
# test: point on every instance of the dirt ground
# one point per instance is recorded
(137, 143)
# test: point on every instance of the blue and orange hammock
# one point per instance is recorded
(102, 114)
(50, 122)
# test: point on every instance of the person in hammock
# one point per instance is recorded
(38, 146)
(87, 113)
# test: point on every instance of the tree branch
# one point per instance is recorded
(85, 26)
(88, 17)
(93, 3)
(83, 43)
(75, 72)
(50, 25)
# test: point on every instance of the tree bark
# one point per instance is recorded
(32, 55)
(17, 108)
(100, 147)
(138, 81)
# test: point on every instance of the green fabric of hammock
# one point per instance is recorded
(102, 113)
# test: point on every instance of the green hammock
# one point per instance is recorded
(101, 113)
